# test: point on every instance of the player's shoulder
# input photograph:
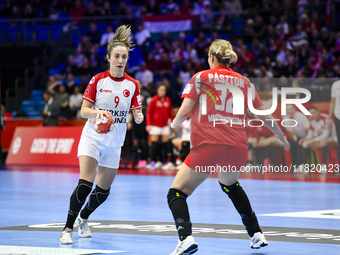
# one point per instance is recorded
(129, 78)
(100, 76)
(336, 83)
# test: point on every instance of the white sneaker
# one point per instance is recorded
(258, 240)
(168, 166)
(158, 164)
(66, 236)
(186, 247)
(83, 227)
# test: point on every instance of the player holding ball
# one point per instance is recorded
(109, 96)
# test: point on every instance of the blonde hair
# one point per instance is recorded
(122, 37)
(223, 52)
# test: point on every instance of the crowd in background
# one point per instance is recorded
(280, 40)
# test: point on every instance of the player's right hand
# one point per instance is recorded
(285, 142)
(102, 112)
(329, 122)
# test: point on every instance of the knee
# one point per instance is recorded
(175, 194)
(230, 189)
(100, 194)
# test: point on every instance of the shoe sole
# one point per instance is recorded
(60, 242)
(191, 250)
(261, 245)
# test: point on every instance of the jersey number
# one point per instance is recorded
(116, 101)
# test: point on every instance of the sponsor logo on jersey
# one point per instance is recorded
(126, 93)
(118, 116)
(105, 91)
(88, 90)
(92, 80)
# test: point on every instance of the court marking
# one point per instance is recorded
(6, 249)
(322, 214)
(284, 234)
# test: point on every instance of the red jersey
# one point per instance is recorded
(216, 92)
(159, 111)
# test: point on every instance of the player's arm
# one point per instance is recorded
(183, 112)
(86, 110)
(331, 112)
(272, 125)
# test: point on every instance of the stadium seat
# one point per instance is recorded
(27, 106)
(27, 32)
(40, 105)
(101, 53)
(77, 80)
(61, 65)
(53, 72)
(12, 32)
(84, 30)
(56, 32)
(42, 33)
(37, 94)
(190, 38)
(238, 26)
(101, 27)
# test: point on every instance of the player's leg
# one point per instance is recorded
(154, 149)
(167, 147)
(186, 181)
(106, 172)
(229, 183)
(87, 175)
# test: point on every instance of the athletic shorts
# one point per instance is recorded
(209, 158)
(107, 156)
(154, 130)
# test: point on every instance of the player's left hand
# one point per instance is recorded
(138, 115)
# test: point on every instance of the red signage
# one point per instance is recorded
(55, 146)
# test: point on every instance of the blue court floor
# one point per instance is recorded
(297, 217)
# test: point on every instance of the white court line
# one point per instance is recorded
(4, 249)
(323, 214)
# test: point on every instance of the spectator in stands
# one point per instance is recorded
(190, 53)
(318, 57)
(166, 41)
(199, 8)
(245, 58)
(186, 73)
(334, 109)
(91, 10)
(259, 28)
(300, 34)
(106, 36)
(85, 68)
(171, 7)
(234, 7)
(71, 67)
(51, 110)
(94, 58)
(6, 8)
(142, 36)
(296, 131)
(52, 84)
(151, 62)
(144, 75)
(164, 67)
(283, 23)
(207, 19)
(291, 69)
(29, 12)
(77, 12)
(159, 111)
(186, 7)
(75, 102)
(259, 51)
(62, 98)
(106, 9)
(15, 14)
(5, 113)
(70, 82)
(152, 7)
(78, 56)
(94, 34)
(140, 130)
(122, 8)
(157, 51)
(320, 135)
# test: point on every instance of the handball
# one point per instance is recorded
(103, 125)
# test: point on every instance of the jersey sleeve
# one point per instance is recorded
(190, 89)
(91, 90)
(136, 101)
